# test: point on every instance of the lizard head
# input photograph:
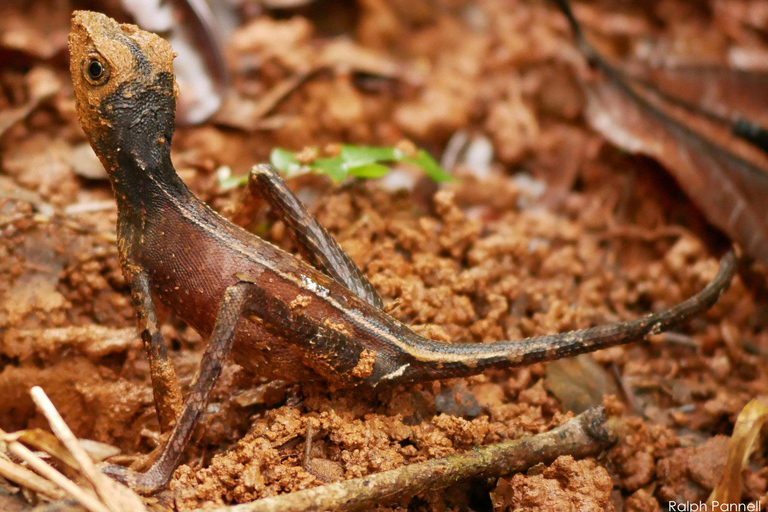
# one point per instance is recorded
(124, 87)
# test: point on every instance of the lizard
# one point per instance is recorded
(277, 314)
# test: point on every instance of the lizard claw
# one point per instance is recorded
(121, 474)
(142, 483)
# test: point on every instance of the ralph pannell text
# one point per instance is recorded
(714, 506)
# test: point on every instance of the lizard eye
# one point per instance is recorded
(96, 71)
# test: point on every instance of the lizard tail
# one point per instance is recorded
(437, 360)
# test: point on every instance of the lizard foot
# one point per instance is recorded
(143, 483)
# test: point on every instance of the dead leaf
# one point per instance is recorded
(579, 382)
(729, 190)
(196, 35)
(721, 90)
(36, 287)
(36, 29)
(43, 441)
(745, 435)
(85, 163)
(43, 84)
(723, 174)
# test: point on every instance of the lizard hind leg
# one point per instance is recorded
(315, 243)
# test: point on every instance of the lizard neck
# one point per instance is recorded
(144, 187)
(133, 141)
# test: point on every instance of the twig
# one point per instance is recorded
(108, 490)
(308, 445)
(22, 476)
(68, 439)
(89, 207)
(250, 117)
(87, 500)
(584, 435)
(93, 340)
(274, 96)
(646, 235)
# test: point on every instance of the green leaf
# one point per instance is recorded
(330, 166)
(284, 160)
(430, 166)
(372, 170)
(355, 156)
(231, 182)
(358, 161)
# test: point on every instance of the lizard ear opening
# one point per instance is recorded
(95, 70)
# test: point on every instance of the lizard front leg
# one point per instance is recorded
(165, 385)
(315, 244)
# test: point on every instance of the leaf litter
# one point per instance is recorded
(560, 231)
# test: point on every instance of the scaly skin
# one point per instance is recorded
(284, 317)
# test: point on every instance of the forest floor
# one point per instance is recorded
(547, 228)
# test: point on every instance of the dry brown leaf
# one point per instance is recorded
(36, 29)
(43, 441)
(730, 191)
(115, 496)
(733, 99)
(578, 382)
(745, 435)
(723, 174)
(721, 90)
(46, 442)
(199, 65)
(43, 84)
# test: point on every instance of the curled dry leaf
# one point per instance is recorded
(730, 190)
(579, 383)
(43, 441)
(724, 91)
(42, 84)
(745, 435)
(723, 174)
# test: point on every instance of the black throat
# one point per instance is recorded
(137, 146)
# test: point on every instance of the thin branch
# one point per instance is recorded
(586, 434)
(68, 439)
(117, 499)
(20, 475)
(86, 499)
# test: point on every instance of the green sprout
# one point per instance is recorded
(357, 161)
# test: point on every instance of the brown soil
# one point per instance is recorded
(561, 231)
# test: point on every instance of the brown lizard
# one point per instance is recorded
(281, 316)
